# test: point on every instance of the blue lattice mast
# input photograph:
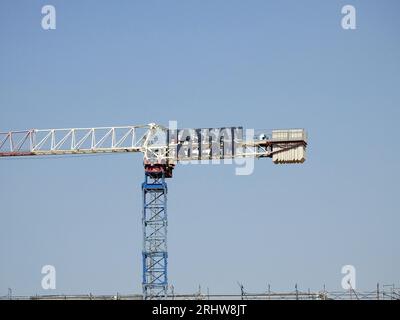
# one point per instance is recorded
(155, 222)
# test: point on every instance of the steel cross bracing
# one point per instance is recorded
(78, 140)
(162, 149)
(154, 254)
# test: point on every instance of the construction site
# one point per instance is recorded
(154, 149)
(162, 149)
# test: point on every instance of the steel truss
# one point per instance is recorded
(154, 255)
(157, 143)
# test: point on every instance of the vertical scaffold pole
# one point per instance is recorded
(155, 280)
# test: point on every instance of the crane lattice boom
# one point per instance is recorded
(158, 144)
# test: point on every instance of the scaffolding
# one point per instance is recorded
(386, 292)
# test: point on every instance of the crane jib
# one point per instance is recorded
(159, 144)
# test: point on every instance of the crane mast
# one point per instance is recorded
(162, 149)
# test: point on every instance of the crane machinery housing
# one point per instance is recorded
(162, 149)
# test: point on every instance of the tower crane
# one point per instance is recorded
(162, 148)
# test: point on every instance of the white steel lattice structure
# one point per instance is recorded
(162, 149)
(77, 140)
(157, 143)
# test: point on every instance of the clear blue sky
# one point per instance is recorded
(258, 64)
